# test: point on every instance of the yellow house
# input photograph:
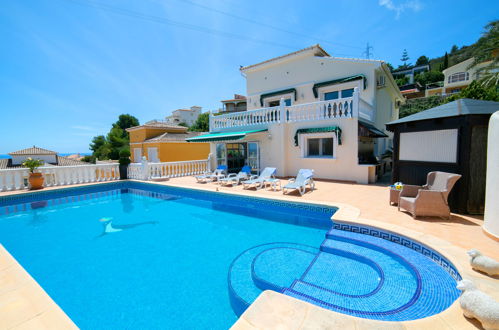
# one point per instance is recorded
(163, 142)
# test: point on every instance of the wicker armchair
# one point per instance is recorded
(430, 199)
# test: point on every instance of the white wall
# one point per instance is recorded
(491, 217)
(277, 149)
(302, 73)
(17, 160)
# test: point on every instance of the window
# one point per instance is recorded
(347, 93)
(320, 147)
(459, 76)
(331, 96)
(276, 103)
(338, 94)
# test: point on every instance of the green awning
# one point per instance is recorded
(223, 136)
(334, 129)
(368, 130)
(339, 81)
(285, 91)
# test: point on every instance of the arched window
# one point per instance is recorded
(459, 76)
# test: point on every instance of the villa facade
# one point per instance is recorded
(163, 142)
(456, 78)
(184, 116)
(308, 109)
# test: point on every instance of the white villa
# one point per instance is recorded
(184, 116)
(308, 109)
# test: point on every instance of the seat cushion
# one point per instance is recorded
(408, 199)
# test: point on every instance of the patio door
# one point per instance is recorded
(254, 156)
(236, 156)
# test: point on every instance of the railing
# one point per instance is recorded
(149, 171)
(17, 178)
(340, 108)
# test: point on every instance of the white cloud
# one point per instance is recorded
(399, 8)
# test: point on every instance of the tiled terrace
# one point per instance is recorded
(24, 304)
(372, 200)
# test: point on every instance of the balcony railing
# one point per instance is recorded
(340, 108)
(17, 178)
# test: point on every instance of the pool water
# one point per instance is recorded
(136, 257)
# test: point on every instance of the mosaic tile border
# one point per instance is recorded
(134, 187)
(404, 241)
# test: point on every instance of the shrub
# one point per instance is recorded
(124, 157)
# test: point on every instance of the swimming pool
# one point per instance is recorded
(139, 255)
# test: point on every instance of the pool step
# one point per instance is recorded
(373, 283)
(254, 271)
(413, 286)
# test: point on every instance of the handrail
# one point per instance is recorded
(17, 178)
(150, 171)
(347, 107)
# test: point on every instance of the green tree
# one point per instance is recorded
(422, 60)
(487, 49)
(476, 91)
(405, 58)
(109, 147)
(117, 139)
(126, 121)
(202, 124)
(404, 80)
(446, 61)
(429, 77)
(99, 147)
(389, 66)
(454, 49)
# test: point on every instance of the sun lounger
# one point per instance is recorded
(234, 178)
(218, 174)
(304, 177)
(259, 180)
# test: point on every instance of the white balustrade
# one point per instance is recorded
(148, 171)
(246, 118)
(17, 178)
(347, 107)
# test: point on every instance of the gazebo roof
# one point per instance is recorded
(459, 107)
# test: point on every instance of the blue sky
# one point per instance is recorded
(70, 67)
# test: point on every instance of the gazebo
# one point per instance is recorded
(451, 138)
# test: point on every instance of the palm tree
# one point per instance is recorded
(486, 49)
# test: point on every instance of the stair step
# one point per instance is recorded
(242, 288)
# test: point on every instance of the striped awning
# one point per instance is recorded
(212, 137)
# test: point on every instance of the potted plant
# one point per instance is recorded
(124, 162)
(35, 178)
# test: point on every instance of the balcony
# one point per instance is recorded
(262, 118)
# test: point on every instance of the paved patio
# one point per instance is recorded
(372, 200)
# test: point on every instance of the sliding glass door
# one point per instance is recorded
(254, 157)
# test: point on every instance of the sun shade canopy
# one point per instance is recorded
(223, 136)
(368, 130)
(339, 81)
(334, 129)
